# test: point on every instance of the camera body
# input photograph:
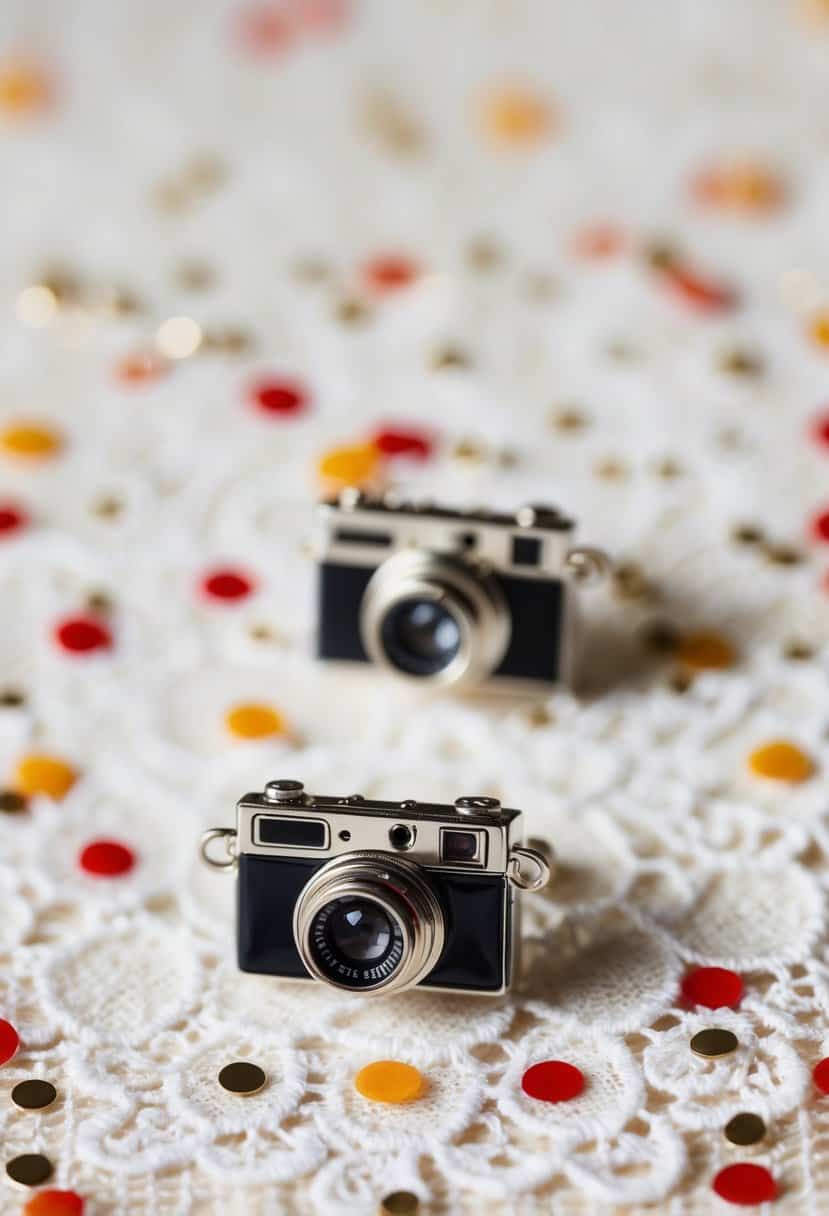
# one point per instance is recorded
(448, 596)
(372, 896)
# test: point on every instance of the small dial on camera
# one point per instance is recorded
(447, 597)
(340, 890)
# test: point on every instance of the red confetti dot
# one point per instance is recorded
(820, 429)
(282, 397)
(9, 1041)
(553, 1081)
(12, 519)
(713, 987)
(54, 1203)
(266, 29)
(389, 273)
(227, 585)
(745, 1184)
(820, 1075)
(702, 294)
(393, 442)
(106, 858)
(820, 526)
(82, 634)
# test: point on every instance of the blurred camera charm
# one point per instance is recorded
(450, 597)
(378, 896)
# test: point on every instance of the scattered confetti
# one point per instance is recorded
(745, 1184)
(266, 29)
(142, 367)
(389, 273)
(30, 440)
(553, 1081)
(82, 635)
(712, 987)
(178, 337)
(394, 441)
(278, 397)
(254, 721)
(819, 329)
(780, 760)
(820, 526)
(714, 1042)
(106, 858)
(745, 188)
(227, 584)
(39, 773)
(515, 116)
(706, 652)
(597, 242)
(354, 465)
(34, 1094)
(820, 1075)
(54, 1203)
(820, 430)
(13, 519)
(24, 88)
(745, 1128)
(243, 1078)
(390, 1081)
(9, 1041)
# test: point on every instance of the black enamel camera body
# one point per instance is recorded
(448, 596)
(372, 896)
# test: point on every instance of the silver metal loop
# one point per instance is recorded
(588, 564)
(520, 858)
(228, 835)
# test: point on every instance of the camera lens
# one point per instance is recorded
(420, 636)
(356, 942)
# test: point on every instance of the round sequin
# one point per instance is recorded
(515, 116)
(29, 1169)
(82, 635)
(277, 397)
(34, 1094)
(12, 519)
(9, 1041)
(705, 652)
(399, 1203)
(390, 1081)
(780, 760)
(820, 1075)
(106, 859)
(393, 441)
(254, 721)
(714, 1041)
(23, 88)
(745, 1184)
(54, 1203)
(553, 1081)
(39, 773)
(389, 273)
(745, 1128)
(350, 466)
(30, 440)
(713, 987)
(227, 585)
(243, 1078)
(820, 526)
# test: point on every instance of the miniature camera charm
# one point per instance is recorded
(450, 597)
(378, 896)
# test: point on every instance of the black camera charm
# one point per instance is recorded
(450, 597)
(378, 896)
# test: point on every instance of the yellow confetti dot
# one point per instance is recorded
(514, 116)
(781, 761)
(356, 465)
(38, 773)
(23, 87)
(254, 721)
(390, 1081)
(705, 651)
(30, 440)
(820, 329)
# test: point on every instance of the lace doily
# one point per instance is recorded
(284, 157)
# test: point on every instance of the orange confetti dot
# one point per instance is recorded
(780, 760)
(30, 440)
(515, 116)
(706, 651)
(355, 465)
(54, 1203)
(598, 241)
(141, 368)
(819, 329)
(741, 187)
(390, 1081)
(23, 88)
(254, 721)
(39, 773)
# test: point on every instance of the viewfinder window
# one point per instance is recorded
(295, 833)
(526, 550)
(463, 848)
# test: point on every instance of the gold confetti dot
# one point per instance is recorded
(352, 311)
(23, 88)
(569, 420)
(745, 1128)
(713, 1042)
(739, 362)
(780, 760)
(39, 773)
(706, 652)
(783, 555)
(29, 1169)
(243, 1078)
(748, 534)
(483, 254)
(34, 1094)
(449, 356)
(469, 450)
(819, 329)
(515, 116)
(353, 465)
(390, 1081)
(30, 440)
(798, 651)
(254, 720)
(399, 1203)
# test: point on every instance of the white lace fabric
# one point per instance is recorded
(125, 990)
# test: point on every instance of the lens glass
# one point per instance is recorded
(356, 942)
(420, 637)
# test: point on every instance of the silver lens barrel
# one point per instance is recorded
(469, 596)
(397, 886)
